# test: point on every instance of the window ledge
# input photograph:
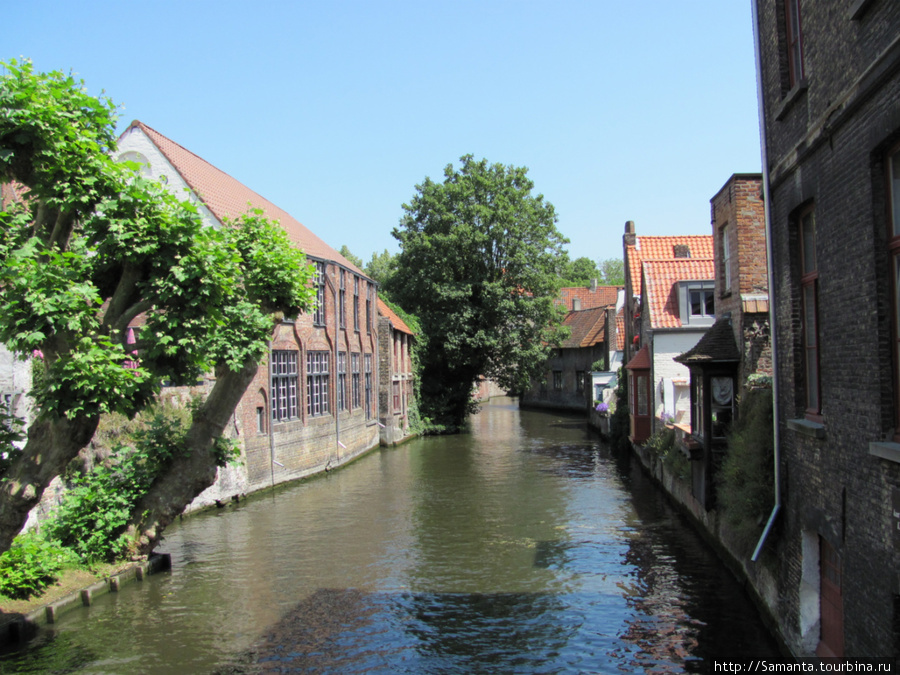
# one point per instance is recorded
(807, 428)
(858, 8)
(790, 99)
(885, 450)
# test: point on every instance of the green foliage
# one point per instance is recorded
(93, 245)
(95, 509)
(10, 437)
(30, 565)
(356, 260)
(745, 486)
(579, 272)
(381, 267)
(663, 445)
(619, 421)
(478, 267)
(612, 272)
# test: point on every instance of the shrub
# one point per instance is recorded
(96, 508)
(30, 565)
(745, 485)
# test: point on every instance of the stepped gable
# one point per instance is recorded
(587, 326)
(664, 248)
(225, 196)
(661, 294)
(393, 317)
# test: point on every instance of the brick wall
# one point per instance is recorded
(826, 143)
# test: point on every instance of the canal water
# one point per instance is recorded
(524, 546)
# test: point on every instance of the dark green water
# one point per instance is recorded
(522, 547)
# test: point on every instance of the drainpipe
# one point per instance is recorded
(270, 423)
(337, 334)
(770, 271)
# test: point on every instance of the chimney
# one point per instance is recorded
(593, 285)
(629, 237)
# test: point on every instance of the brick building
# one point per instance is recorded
(829, 76)
(669, 304)
(395, 375)
(737, 345)
(314, 404)
(567, 381)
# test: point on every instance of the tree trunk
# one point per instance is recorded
(51, 445)
(191, 473)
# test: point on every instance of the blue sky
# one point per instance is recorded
(335, 110)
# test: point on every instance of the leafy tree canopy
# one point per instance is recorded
(579, 272)
(612, 272)
(478, 266)
(356, 260)
(92, 246)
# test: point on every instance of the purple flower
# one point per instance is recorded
(602, 407)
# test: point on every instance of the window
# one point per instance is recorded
(557, 380)
(368, 386)
(893, 169)
(356, 304)
(697, 406)
(342, 300)
(369, 294)
(284, 385)
(319, 315)
(354, 390)
(579, 382)
(702, 303)
(643, 399)
(317, 383)
(396, 391)
(726, 260)
(697, 306)
(721, 390)
(260, 420)
(809, 292)
(342, 381)
(794, 41)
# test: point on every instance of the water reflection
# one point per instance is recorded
(523, 546)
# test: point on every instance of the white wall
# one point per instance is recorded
(666, 346)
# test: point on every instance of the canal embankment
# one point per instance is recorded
(19, 626)
(758, 578)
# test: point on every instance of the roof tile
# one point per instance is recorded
(227, 197)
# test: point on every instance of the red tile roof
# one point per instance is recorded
(641, 360)
(225, 196)
(391, 315)
(587, 326)
(660, 297)
(663, 248)
(601, 297)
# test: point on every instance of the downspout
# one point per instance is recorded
(337, 334)
(767, 204)
(270, 423)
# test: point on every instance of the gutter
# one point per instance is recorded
(770, 271)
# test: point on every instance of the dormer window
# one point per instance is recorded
(697, 303)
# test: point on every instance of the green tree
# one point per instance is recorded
(356, 260)
(580, 272)
(92, 246)
(478, 266)
(381, 267)
(612, 272)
